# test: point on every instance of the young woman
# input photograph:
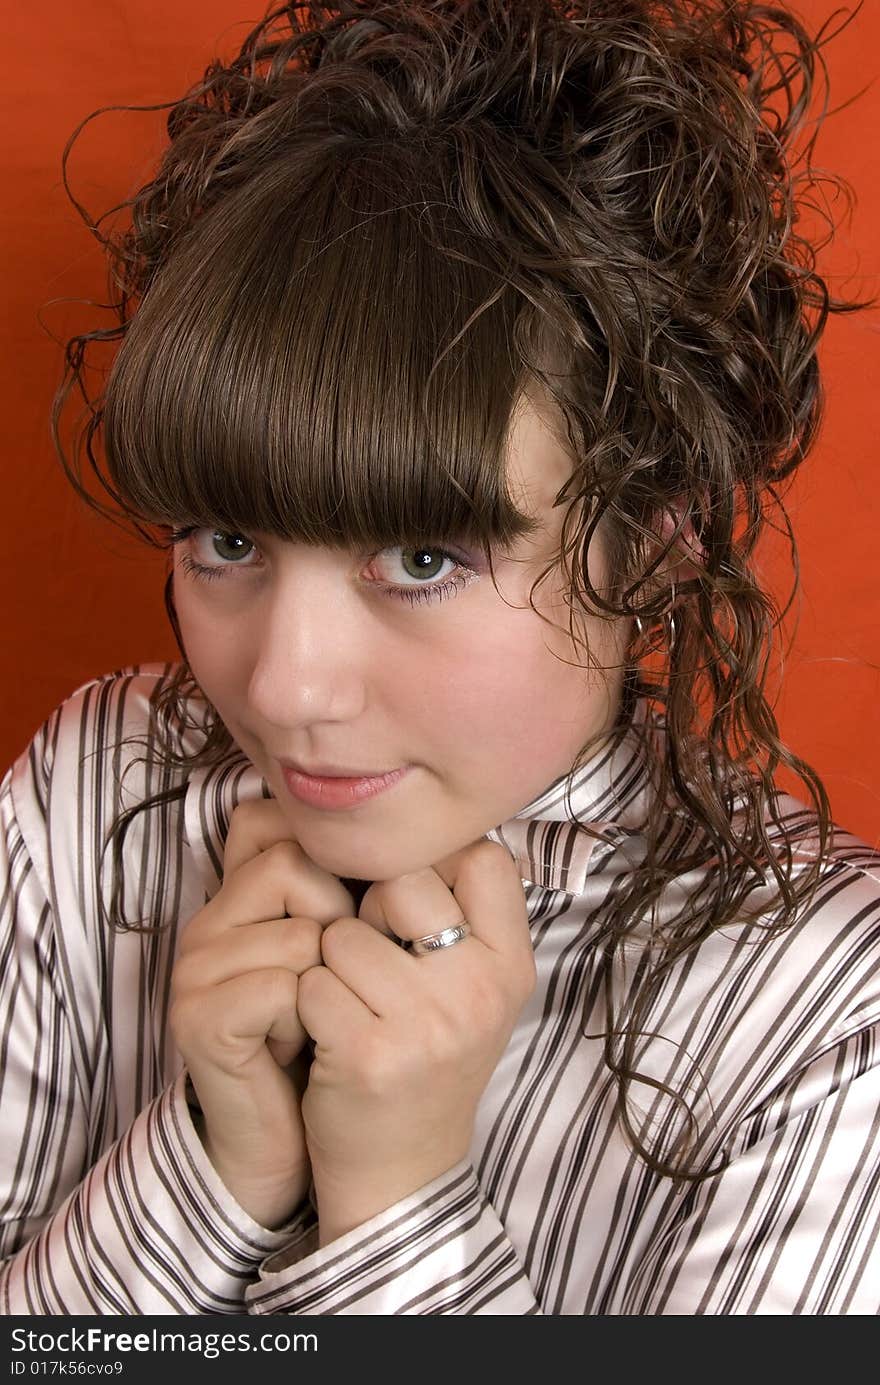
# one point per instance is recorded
(432, 938)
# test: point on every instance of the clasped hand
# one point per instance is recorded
(403, 1045)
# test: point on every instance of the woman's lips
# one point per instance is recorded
(325, 792)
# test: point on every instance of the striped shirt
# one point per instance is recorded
(110, 1205)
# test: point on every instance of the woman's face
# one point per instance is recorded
(310, 658)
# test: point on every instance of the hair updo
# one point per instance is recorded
(376, 228)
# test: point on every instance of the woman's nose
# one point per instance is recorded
(310, 662)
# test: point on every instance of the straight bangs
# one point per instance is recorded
(321, 360)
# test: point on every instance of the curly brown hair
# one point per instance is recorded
(377, 227)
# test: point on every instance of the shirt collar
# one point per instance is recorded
(610, 793)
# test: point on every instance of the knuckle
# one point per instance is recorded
(281, 856)
(495, 999)
(493, 852)
(242, 816)
(277, 866)
(278, 986)
(308, 932)
(490, 1006)
(268, 869)
(371, 908)
(336, 936)
(191, 935)
(309, 985)
(313, 930)
(490, 851)
(184, 1019)
(300, 941)
(438, 1041)
(483, 856)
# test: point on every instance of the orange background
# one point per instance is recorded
(82, 599)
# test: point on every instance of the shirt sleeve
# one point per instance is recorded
(146, 1228)
(441, 1250)
(792, 1225)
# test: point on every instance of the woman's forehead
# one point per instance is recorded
(538, 466)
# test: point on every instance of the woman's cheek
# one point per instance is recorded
(216, 649)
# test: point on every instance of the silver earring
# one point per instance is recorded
(669, 617)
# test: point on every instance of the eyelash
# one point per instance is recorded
(414, 595)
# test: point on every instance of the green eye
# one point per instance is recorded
(426, 562)
(236, 542)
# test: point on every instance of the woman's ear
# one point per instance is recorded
(687, 555)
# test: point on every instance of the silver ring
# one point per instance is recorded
(432, 942)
